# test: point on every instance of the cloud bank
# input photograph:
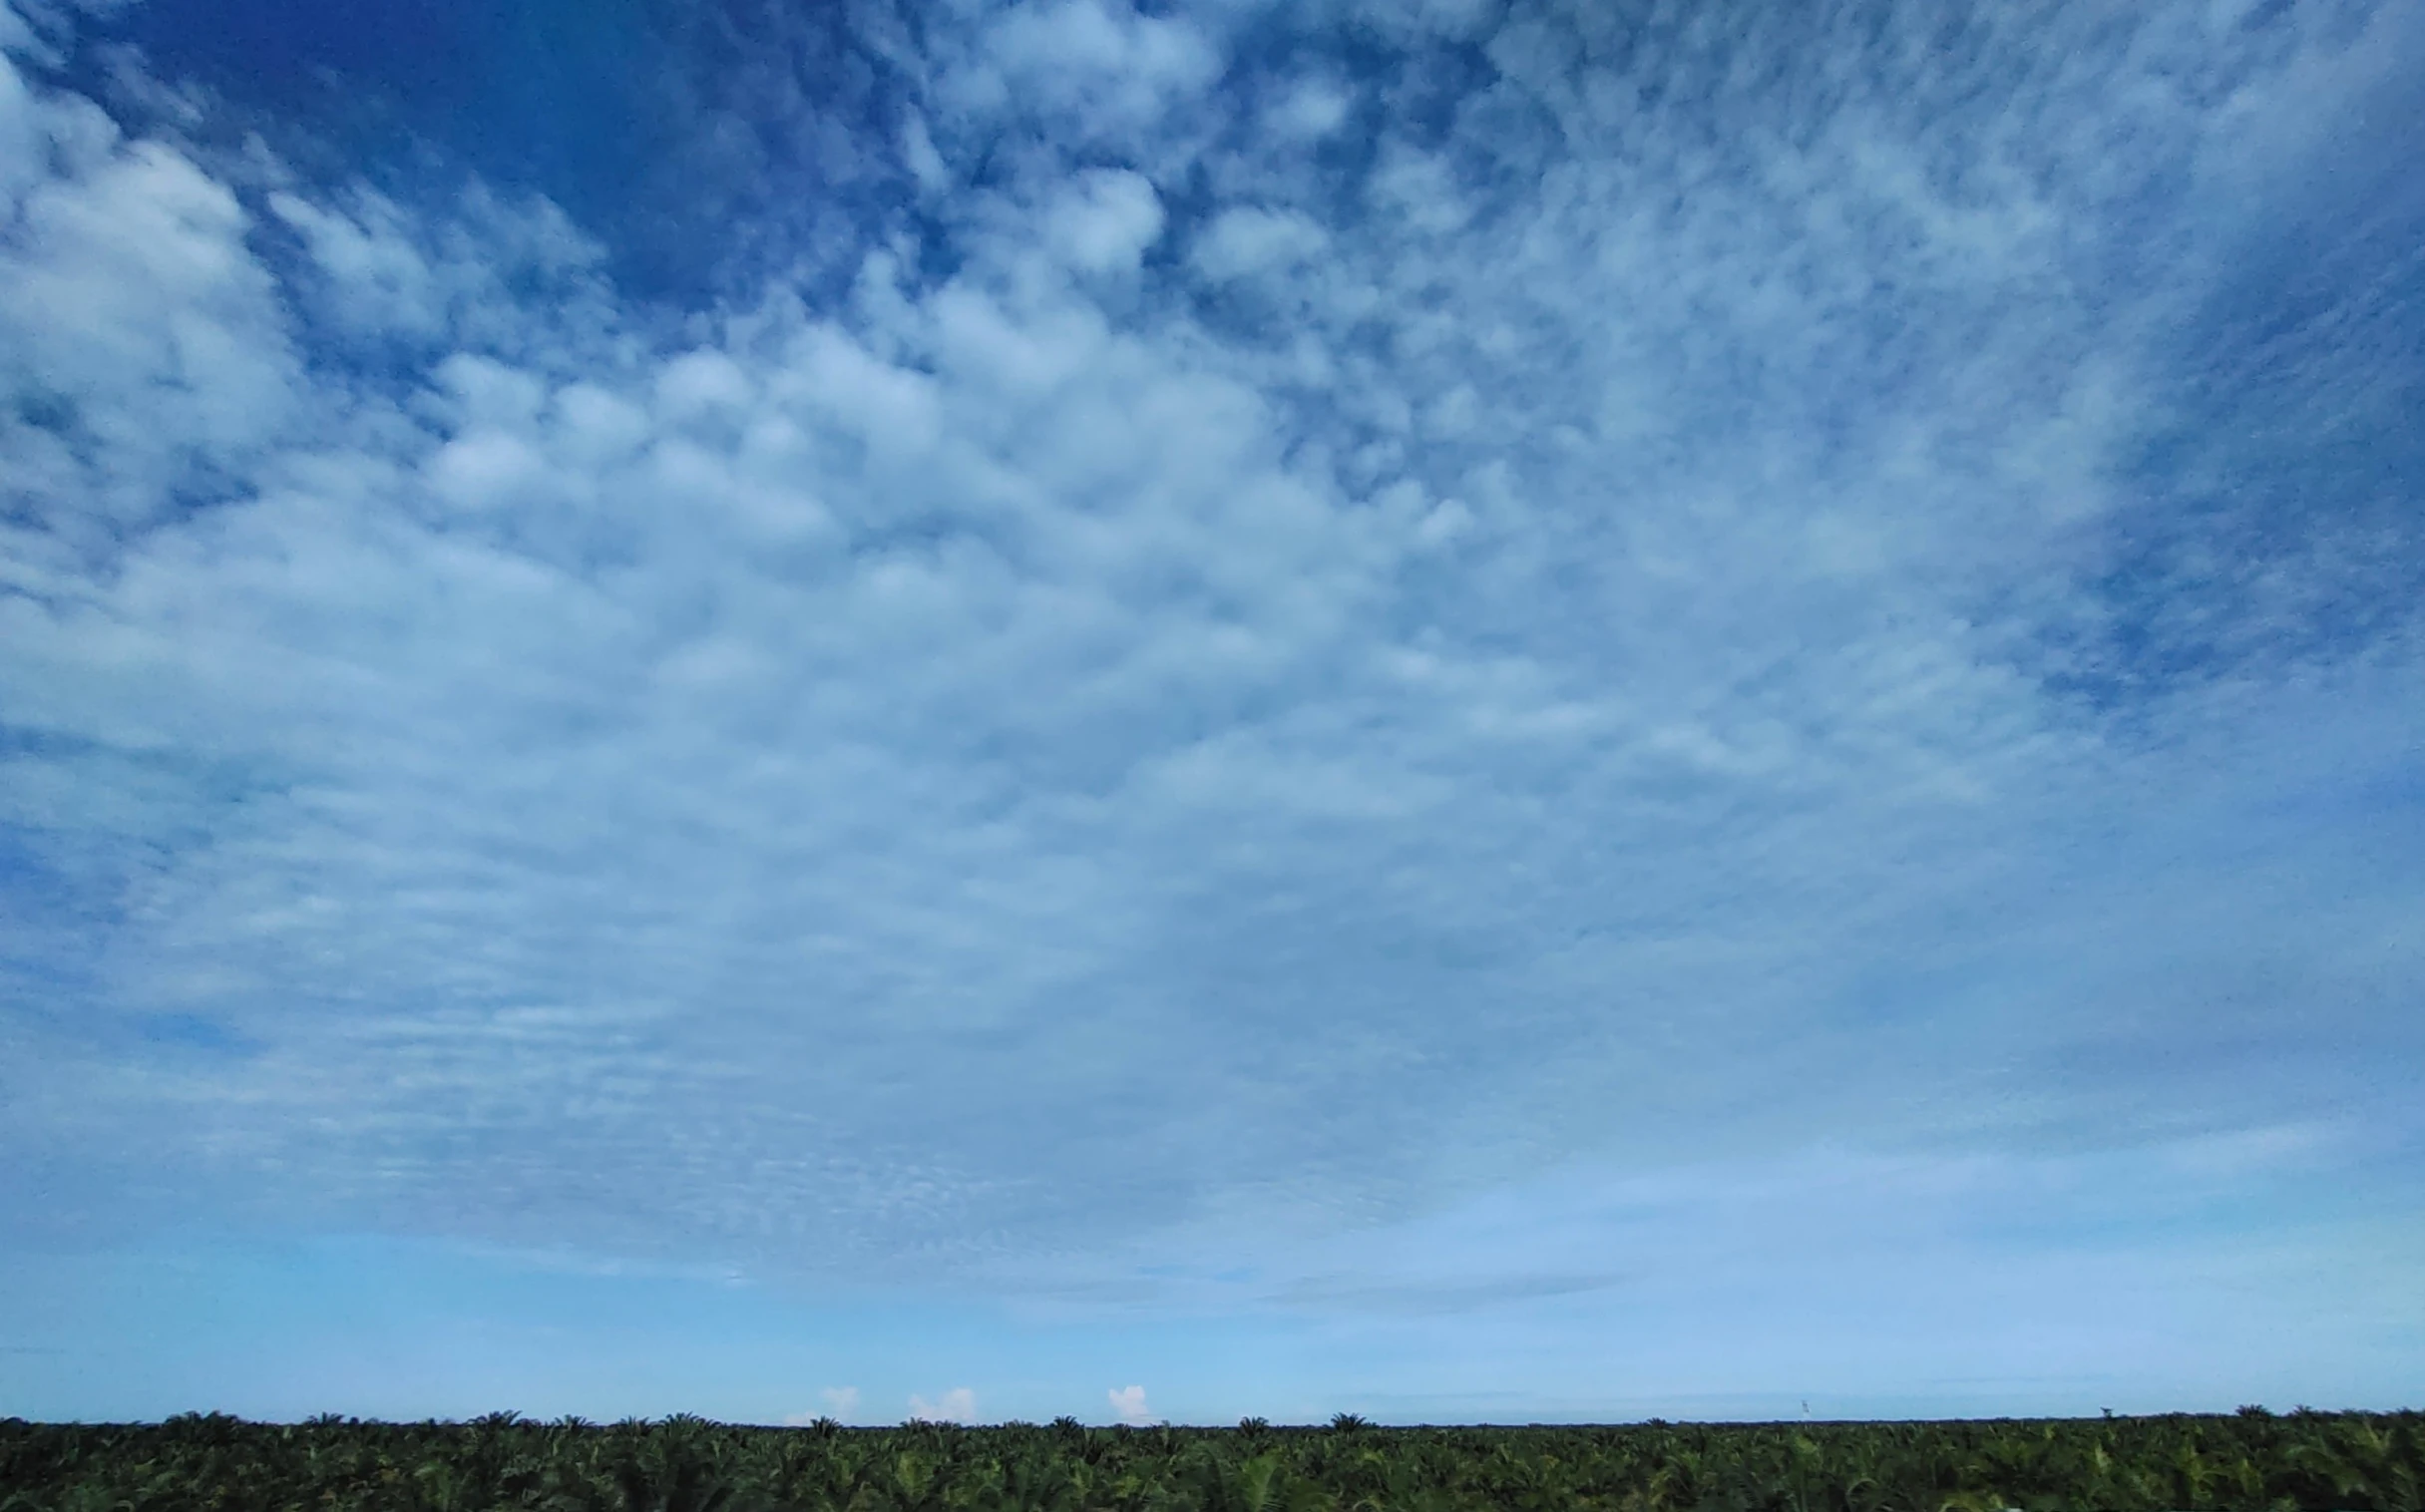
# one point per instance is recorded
(1332, 609)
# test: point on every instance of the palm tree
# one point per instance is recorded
(1259, 1484)
(679, 1467)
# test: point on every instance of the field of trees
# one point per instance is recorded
(2367, 1462)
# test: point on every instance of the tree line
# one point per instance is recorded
(2253, 1460)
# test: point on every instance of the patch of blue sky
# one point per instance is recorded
(193, 1031)
(673, 135)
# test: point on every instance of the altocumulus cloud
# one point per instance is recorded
(1339, 607)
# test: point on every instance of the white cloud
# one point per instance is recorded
(1106, 222)
(1128, 1403)
(1247, 239)
(485, 470)
(139, 334)
(958, 1405)
(1311, 108)
(24, 139)
(379, 272)
(1447, 521)
(841, 1404)
(1421, 20)
(702, 383)
(1419, 188)
(1097, 68)
(918, 150)
(378, 280)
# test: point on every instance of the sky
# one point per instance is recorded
(1465, 711)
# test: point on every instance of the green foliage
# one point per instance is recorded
(2257, 1461)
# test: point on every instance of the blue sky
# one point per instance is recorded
(1471, 710)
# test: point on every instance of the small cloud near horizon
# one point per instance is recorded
(958, 1405)
(1129, 1403)
(840, 1402)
